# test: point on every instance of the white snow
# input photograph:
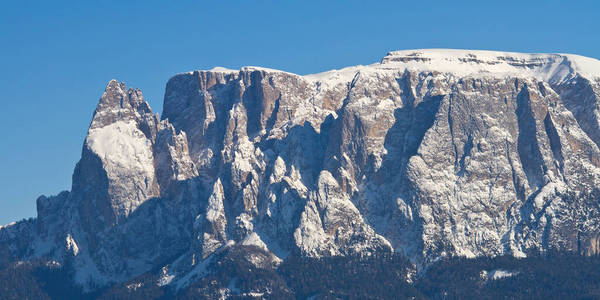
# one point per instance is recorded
(128, 159)
(215, 209)
(551, 67)
(7, 225)
(546, 67)
(123, 145)
(269, 70)
(223, 70)
(53, 264)
(72, 245)
(165, 277)
(335, 77)
(476, 62)
(587, 66)
(254, 240)
(134, 286)
(500, 274)
(547, 192)
(279, 170)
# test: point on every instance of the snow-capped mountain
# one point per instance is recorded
(428, 153)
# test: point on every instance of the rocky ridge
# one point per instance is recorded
(428, 153)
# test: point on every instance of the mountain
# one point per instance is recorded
(428, 154)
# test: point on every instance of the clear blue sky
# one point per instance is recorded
(57, 56)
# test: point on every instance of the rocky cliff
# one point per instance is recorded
(428, 153)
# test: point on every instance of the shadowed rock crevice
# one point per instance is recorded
(273, 118)
(527, 144)
(259, 100)
(405, 136)
(90, 187)
(555, 143)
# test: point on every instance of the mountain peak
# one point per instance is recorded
(118, 102)
(429, 153)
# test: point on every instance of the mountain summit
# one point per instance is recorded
(429, 153)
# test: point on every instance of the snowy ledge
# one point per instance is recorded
(549, 67)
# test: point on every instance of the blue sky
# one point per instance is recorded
(57, 56)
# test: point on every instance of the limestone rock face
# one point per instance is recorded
(429, 153)
(116, 172)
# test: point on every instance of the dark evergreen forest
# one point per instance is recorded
(385, 276)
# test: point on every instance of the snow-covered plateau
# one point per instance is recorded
(429, 153)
